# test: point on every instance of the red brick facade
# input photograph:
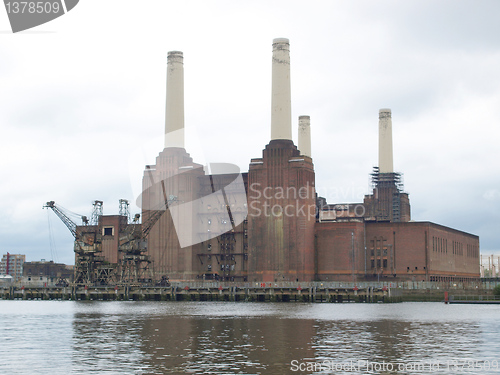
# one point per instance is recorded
(281, 214)
(281, 239)
(110, 227)
(176, 172)
(414, 251)
(339, 250)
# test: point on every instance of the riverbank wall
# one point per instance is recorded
(252, 292)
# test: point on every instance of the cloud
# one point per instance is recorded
(492, 195)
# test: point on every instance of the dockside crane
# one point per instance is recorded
(88, 261)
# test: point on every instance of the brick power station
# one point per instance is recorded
(277, 228)
(268, 224)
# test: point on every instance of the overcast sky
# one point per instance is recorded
(83, 103)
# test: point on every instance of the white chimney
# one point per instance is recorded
(385, 164)
(174, 116)
(281, 110)
(305, 135)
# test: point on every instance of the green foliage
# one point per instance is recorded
(496, 290)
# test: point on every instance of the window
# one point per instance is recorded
(107, 231)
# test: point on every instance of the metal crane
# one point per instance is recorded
(87, 247)
(85, 240)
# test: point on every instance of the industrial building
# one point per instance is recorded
(47, 269)
(268, 224)
(290, 234)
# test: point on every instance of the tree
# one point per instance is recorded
(496, 290)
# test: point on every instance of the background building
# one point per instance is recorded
(12, 264)
(44, 269)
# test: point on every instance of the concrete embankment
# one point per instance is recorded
(249, 292)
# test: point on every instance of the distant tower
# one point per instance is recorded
(388, 201)
(281, 193)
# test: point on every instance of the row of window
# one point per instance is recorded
(440, 245)
(472, 251)
(452, 279)
(226, 246)
(376, 244)
(458, 248)
(380, 252)
(223, 267)
(381, 263)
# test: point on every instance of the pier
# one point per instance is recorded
(189, 291)
(474, 300)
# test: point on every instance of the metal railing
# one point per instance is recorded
(469, 297)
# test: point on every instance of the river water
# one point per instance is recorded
(87, 337)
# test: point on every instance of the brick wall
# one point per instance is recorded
(281, 216)
(339, 251)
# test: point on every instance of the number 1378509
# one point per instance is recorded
(32, 7)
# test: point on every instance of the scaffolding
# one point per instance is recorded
(96, 212)
(124, 209)
(388, 189)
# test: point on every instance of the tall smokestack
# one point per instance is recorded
(174, 116)
(305, 135)
(281, 111)
(385, 163)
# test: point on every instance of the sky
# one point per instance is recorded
(83, 103)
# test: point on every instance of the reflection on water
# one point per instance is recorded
(227, 345)
(49, 337)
